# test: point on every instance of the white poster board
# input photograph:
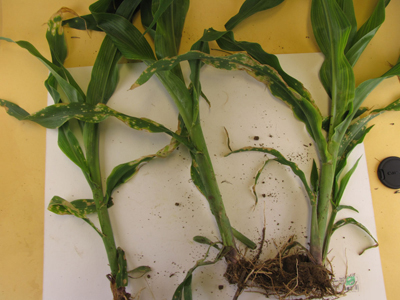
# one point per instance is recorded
(158, 212)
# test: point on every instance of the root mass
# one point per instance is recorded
(292, 272)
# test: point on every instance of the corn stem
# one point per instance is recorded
(91, 132)
(211, 189)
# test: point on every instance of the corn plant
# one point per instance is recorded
(336, 135)
(68, 96)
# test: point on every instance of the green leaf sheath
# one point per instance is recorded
(249, 8)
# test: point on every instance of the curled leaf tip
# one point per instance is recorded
(55, 22)
(134, 86)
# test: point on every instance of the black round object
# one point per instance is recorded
(389, 172)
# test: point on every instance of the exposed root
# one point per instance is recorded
(292, 272)
(118, 293)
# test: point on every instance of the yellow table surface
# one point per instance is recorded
(284, 29)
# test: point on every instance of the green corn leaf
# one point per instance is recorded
(356, 139)
(121, 279)
(357, 130)
(160, 7)
(58, 49)
(86, 22)
(348, 10)
(366, 33)
(78, 208)
(126, 37)
(51, 86)
(104, 78)
(14, 110)
(139, 272)
(226, 41)
(133, 45)
(146, 16)
(56, 115)
(282, 160)
(331, 30)
(56, 40)
(365, 88)
(243, 239)
(67, 141)
(347, 221)
(340, 207)
(184, 290)
(195, 85)
(394, 106)
(359, 112)
(314, 179)
(303, 109)
(356, 133)
(123, 172)
(205, 241)
(343, 183)
(249, 8)
(170, 18)
(105, 6)
(70, 146)
(68, 85)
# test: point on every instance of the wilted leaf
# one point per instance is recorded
(348, 221)
(282, 160)
(249, 8)
(121, 279)
(139, 272)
